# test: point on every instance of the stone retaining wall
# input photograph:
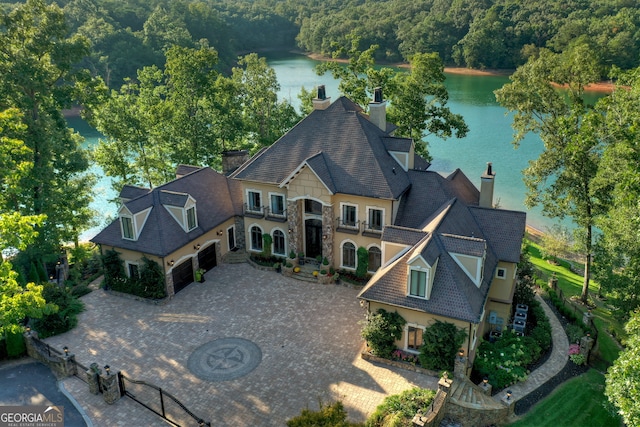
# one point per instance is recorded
(396, 363)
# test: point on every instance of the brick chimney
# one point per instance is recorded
(321, 102)
(378, 110)
(486, 187)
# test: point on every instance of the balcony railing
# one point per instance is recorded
(347, 226)
(278, 216)
(371, 230)
(253, 211)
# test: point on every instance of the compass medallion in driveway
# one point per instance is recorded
(224, 359)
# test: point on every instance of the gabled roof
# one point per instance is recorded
(217, 199)
(129, 192)
(354, 156)
(439, 218)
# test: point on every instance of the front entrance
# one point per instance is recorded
(231, 238)
(313, 237)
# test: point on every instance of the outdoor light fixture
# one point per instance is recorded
(29, 330)
(508, 394)
(107, 369)
(485, 381)
(196, 246)
(170, 263)
(324, 237)
(445, 375)
(66, 350)
(219, 232)
(290, 231)
(461, 353)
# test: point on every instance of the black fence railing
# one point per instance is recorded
(160, 402)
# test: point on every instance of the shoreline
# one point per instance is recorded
(602, 87)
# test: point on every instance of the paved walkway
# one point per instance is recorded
(308, 336)
(553, 365)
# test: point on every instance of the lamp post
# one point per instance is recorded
(58, 267)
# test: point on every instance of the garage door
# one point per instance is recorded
(207, 257)
(182, 276)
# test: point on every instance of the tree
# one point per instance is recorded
(617, 261)
(623, 378)
(441, 342)
(382, 330)
(561, 178)
(555, 242)
(418, 98)
(39, 79)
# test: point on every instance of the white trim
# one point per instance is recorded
(251, 190)
(406, 337)
(273, 241)
(138, 229)
(477, 278)
(397, 157)
(186, 218)
(504, 273)
(427, 288)
(284, 204)
(342, 254)
(374, 245)
(129, 263)
(250, 241)
(235, 237)
(342, 224)
(377, 208)
(133, 227)
(180, 261)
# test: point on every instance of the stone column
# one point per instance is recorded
(69, 366)
(586, 344)
(509, 401)
(460, 367)
(294, 219)
(93, 378)
(587, 318)
(328, 230)
(110, 388)
(486, 387)
(553, 282)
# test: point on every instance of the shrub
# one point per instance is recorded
(574, 332)
(267, 240)
(578, 359)
(363, 262)
(504, 362)
(151, 280)
(333, 415)
(382, 330)
(113, 269)
(399, 409)
(441, 343)
(66, 318)
(15, 344)
(292, 254)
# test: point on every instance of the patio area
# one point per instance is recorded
(246, 347)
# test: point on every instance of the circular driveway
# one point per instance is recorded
(308, 335)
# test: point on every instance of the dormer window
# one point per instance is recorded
(418, 279)
(126, 222)
(192, 221)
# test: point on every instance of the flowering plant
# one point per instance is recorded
(404, 357)
(578, 359)
(574, 349)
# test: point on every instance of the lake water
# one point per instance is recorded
(488, 140)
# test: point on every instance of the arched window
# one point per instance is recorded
(375, 258)
(278, 242)
(256, 238)
(349, 255)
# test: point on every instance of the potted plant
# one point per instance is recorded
(293, 259)
(199, 275)
(319, 260)
(287, 269)
(276, 266)
(301, 258)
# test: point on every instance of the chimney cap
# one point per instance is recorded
(322, 94)
(489, 173)
(377, 95)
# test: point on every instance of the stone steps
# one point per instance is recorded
(237, 257)
(465, 393)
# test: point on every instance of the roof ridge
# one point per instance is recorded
(456, 236)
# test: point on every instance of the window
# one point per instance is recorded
(349, 215)
(277, 204)
(278, 242)
(375, 219)
(133, 270)
(375, 258)
(312, 207)
(414, 338)
(418, 283)
(253, 201)
(501, 273)
(191, 218)
(256, 238)
(127, 227)
(349, 255)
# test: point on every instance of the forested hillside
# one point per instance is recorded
(127, 35)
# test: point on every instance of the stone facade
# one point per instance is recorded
(328, 231)
(110, 388)
(294, 217)
(240, 238)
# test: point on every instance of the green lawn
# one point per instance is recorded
(578, 402)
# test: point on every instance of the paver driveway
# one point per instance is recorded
(308, 335)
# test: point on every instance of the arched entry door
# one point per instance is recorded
(313, 237)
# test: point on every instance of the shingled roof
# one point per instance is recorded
(346, 150)
(439, 218)
(217, 199)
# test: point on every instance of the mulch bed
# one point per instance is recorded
(569, 371)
